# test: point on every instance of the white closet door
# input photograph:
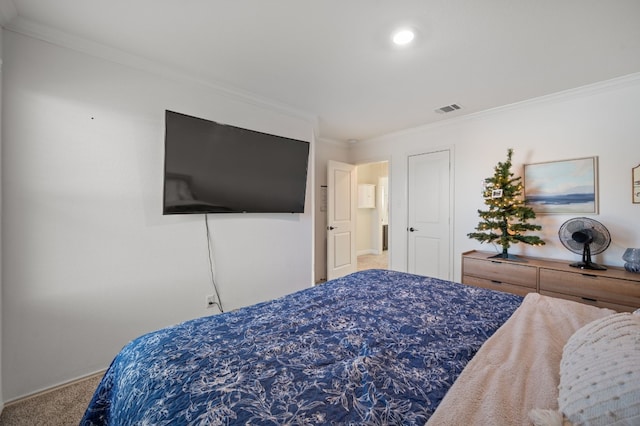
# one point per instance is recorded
(429, 216)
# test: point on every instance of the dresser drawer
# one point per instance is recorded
(501, 271)
(497, 285)
(589, 301)
(588, 286)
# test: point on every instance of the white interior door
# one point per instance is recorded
(341, 219)
(429, 215)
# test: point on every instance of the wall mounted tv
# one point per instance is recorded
(216, 168)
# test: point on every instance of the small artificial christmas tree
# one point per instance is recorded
(507, 212)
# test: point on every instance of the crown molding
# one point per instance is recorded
(576, 92)
(8, 12)
(342, 144)
(564, 95)
(50, 35)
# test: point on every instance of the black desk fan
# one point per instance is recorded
(586, 236)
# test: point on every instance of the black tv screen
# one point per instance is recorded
(216, 168)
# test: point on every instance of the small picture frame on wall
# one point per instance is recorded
(635, 184)
(565, 187)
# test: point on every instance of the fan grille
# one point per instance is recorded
(600, 237)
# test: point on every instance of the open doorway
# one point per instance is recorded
(372, 230)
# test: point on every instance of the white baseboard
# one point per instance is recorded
(52, 389)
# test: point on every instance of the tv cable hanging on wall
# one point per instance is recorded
(217, 302)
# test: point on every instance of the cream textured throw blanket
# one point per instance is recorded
(518, 368)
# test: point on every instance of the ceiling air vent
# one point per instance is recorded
(448, 108)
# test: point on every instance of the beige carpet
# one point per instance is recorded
(63, 406)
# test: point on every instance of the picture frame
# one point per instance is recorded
(635, 184)
(562, 187)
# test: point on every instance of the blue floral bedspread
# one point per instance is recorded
(375, 347)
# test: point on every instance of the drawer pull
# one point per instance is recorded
(495, 261)
(588, 299)
(589, 275)
(496, 282)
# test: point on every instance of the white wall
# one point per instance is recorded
(90, 262)
(600, 120)
(325, 150)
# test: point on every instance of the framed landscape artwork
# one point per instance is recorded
(567, 186)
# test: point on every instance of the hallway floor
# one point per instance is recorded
(373, 261)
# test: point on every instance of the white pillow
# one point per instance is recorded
(600, 372)
(599, 375)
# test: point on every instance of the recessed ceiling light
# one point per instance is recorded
(403, 37)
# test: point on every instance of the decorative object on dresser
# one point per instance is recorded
(614, 288)
(631, 257)
(585, 236)
(507, 213)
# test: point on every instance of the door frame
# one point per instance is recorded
(386, 159)
(378, 203)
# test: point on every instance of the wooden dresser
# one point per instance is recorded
(614, 288)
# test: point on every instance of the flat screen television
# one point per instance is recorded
(217, 168)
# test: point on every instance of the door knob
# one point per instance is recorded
(330, 228)
(412, 229)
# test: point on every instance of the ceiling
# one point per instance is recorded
(333, 59)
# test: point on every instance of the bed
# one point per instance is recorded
(372, 348)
